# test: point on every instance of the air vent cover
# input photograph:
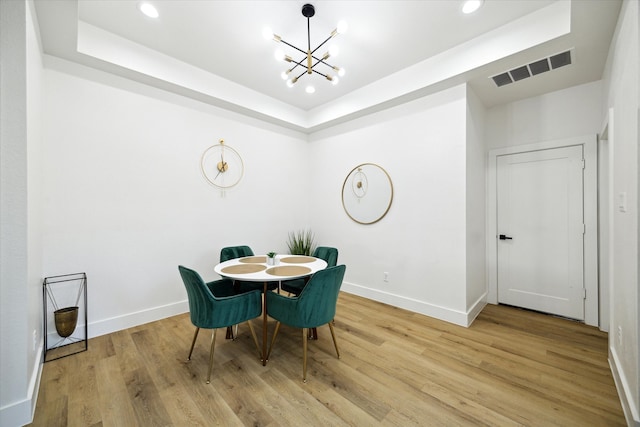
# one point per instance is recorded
(537, 67)
(502, 79)
(560, 60)
(520, 73)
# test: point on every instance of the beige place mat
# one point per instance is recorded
(288, 270)
(298, 259)
(243, 268)
(254, 259)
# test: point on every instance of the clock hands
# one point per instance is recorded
(222, 167)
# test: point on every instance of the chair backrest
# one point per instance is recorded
(317, 302)
(233, 252)
(199, 295)
(330, 255)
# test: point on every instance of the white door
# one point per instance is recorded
(541, 230)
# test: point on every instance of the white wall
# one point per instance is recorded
(35, 95)
(20, 219)
(421, 241)
(125, 201)
(476, 202)
(621, 95)
(563, 114)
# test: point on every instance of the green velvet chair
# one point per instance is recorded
(233, 252)
(215, 305)
(315, 306)
(330, 255)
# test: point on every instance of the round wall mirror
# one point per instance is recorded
(367, 193)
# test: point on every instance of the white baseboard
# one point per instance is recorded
(476, 308)
(443, 313)
(21, 412)
(628, 405)
(118, 323)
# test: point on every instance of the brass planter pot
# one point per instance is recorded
(66, 320)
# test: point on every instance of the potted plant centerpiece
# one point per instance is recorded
(271, 258)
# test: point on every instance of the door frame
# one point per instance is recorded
(590, 200)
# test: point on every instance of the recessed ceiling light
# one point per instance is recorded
(149, 10)
(310, 89)
(471, 6)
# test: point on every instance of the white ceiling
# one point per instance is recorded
(214, 51)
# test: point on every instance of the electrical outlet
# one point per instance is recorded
(35, 339)
(386, 276)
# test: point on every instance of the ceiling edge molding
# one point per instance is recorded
(100, 49)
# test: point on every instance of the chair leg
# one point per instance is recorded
(313, 333)
(193, 343)
(255, 339)
(213, 347)
(304, 355)
(333, 335)
(273, 339)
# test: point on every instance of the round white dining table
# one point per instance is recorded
(256, 269)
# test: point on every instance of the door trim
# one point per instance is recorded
(590, 249)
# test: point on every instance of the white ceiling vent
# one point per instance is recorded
(532, 69)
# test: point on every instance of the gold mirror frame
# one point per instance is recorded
(367, 193)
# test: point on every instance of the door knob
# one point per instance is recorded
(503, 237)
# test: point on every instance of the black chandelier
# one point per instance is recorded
(311, 60)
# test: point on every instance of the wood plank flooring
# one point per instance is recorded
(511, 367)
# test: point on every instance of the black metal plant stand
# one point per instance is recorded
(64, 303)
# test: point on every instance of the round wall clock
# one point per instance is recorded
(222, 166)
(367, 193)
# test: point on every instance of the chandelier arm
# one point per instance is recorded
(320, 60)
(302, 74)
(295, 47)
(292, 68)
(318, 72)
(299, 62)
(321, 44)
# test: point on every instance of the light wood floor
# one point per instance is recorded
(511, 367)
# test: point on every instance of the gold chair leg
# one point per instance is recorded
(304, 355)
(273, 339)
(193, 343)
(255, 338)
(213, 347)
(333, 335)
